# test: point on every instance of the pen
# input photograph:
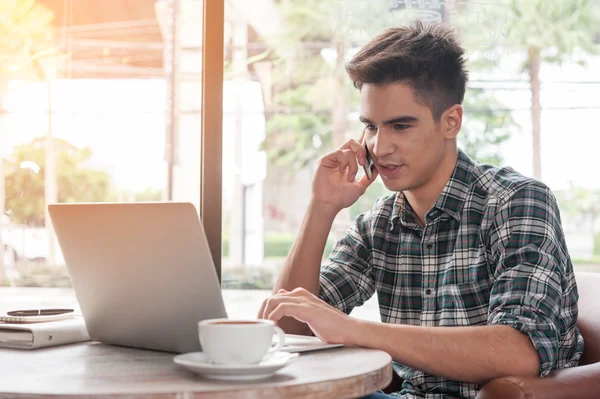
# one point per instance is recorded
(38, 312)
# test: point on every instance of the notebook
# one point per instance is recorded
(304, 343)
(39, 335)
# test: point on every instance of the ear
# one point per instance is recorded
(452, 121)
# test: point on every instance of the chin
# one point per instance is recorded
(396, 185)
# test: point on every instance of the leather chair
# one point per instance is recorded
(581, 382)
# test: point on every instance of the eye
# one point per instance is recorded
(400, 127)
(371, 127)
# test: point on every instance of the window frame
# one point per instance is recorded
(211, 134)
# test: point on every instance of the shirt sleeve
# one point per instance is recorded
(531, 260)
(347, 278)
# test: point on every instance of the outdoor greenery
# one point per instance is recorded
(249, 278)
(484, 128)
(312, 89)
(25, 178)
(314, 103)
(26, 36)
(583, 204)
(539, 30)
(277, 245)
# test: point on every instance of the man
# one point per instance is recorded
(468, 261)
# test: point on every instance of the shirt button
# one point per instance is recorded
(428, 291)
(429, 245)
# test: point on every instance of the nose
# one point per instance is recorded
(382, 145)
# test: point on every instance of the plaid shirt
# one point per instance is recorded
(492, 251)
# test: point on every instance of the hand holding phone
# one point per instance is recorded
(368, 166)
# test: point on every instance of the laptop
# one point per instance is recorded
(143, 274)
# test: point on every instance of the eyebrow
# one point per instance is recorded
(399, 119)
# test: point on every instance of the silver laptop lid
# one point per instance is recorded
(143, 273)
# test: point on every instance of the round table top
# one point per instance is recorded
(99, 370)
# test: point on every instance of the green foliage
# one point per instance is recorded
(26, 36)
(25, 184)
(248, 278)
(277, 245)
(149, 195)
(563, 25)
(368, 199)
(486, 125)
(560, 27)
(301, 129)
(295, 138)
(578, 200)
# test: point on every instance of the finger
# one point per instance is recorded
(304, 293)
(300, 290)
(365, 182)
(336, 159)
(359, 150)
(276, 300)
(300, 312)
(282, 291)
(362, 137)
(265, 308)
(261, 311)
(352, 165)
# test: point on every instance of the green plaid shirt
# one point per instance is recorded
(492, 251)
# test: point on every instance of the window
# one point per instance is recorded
(100, 103)
(285, 60)
(107, 103)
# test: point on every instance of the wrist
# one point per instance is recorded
(323, 210)
(357, 333)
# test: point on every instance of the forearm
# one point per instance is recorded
(469, 354)
(303, 264)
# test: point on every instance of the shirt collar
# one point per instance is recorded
(450, 201)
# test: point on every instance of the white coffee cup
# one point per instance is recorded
(227, 341)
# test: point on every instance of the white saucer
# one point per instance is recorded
(198, 363)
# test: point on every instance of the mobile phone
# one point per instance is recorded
(368, 166)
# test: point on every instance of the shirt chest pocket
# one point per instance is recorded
(463, 304)
(464, 266)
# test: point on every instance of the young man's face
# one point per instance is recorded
(406, 145)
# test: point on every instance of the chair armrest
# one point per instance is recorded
(582, 382)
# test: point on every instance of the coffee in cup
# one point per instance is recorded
(226, 341)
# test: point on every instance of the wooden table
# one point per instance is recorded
(103, 371)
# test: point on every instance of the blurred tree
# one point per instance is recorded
(297, 135)
(313, 92)
(486, 125)
(26, 37)
(579, 201)
(583, 205)
(544, 31)
(149, 195)
(25, 170)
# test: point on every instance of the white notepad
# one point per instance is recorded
(304, 343)
(39, 335)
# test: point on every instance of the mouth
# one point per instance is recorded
(389, 170)
(389, 165)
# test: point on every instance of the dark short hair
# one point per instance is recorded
(427, 57)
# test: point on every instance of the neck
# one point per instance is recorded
(423, 198)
